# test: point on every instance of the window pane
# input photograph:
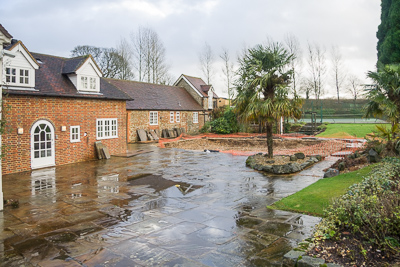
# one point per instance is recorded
(36, 146)
(43, 153)
(49, 152)
(36, 154)
(36, 138)
(48, 144)
(42, 136)
(42, 145)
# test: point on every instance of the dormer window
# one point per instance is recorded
(17, 76)
(89, 83)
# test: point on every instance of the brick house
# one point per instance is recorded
(56, 109)
(203, 93)
(159, 107)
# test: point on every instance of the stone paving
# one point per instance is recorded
(166, 208)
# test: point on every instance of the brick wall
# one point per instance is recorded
(138, 119)
(24, 111)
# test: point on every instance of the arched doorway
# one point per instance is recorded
(42, 145)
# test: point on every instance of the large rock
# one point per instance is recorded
(290, 259)
(331, 172)
(300, 155)
(293, 158)
(281, 169)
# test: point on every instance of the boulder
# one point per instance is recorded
(300, 155)
(281, 169)
(294, 167)
(293, 158)
(331, 172)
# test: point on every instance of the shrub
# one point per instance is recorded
(370, 209)
(225, 124)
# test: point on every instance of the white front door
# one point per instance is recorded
(42, 145)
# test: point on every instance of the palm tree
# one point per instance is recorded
(263, 87)
(384, 96)
(384, 100)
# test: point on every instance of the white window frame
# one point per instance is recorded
(84, 83)
(88, 83)
(92, 83)
(171, 117)
(178, 116)
(106, 128)
(11, 75)
(24, 76)
(195, 117)
(75, 136)
(153, 117)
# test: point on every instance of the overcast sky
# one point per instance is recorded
(56, 26)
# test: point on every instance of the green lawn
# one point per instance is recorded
(316, 197)
(343, 130)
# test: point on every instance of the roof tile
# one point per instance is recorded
(150, 96)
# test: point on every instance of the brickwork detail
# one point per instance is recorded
(138, 119)
(24, 111)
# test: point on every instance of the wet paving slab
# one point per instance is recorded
(170, 207)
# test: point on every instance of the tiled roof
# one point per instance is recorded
(200, 85)
(50, 81)
(150, 96)
(72, 64)
(5, 32)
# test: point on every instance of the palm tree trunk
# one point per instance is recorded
(270, 141)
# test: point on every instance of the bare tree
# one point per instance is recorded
(294, 48)
(110, 62)
(355, 87)
(206, 57)
(317, 68)
(125, 51)
(228, 72)
(339, 75)
(149, 56)
(306, 86)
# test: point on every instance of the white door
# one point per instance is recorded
(42, 145)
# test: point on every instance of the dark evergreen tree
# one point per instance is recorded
(389, 33)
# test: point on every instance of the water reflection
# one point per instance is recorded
(43, 183)
(107, 184)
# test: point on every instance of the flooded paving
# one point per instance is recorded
(169, 207)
